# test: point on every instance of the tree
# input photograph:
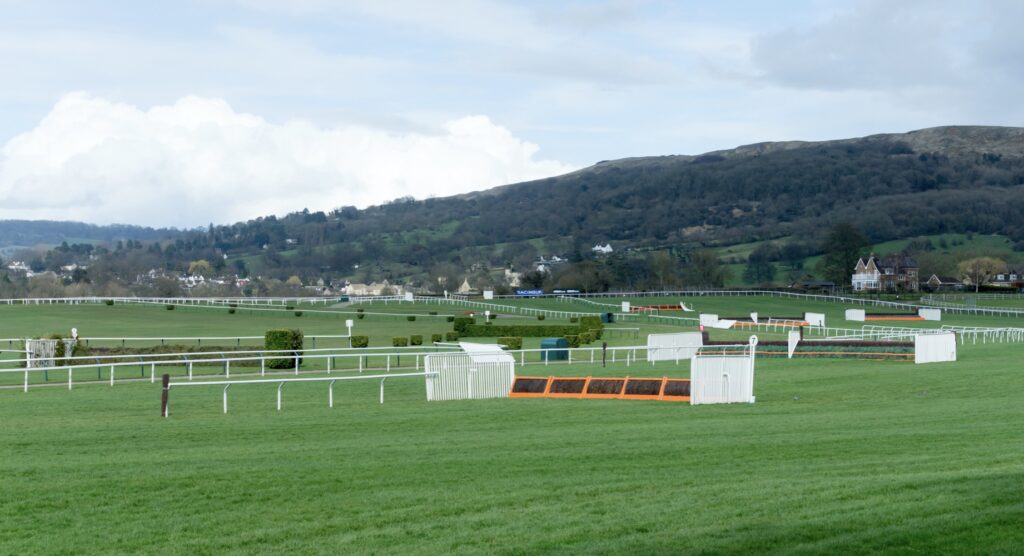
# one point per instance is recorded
(663, 268)
(760, 269)
(980, 269)
(199, 268)
(293, 281)
(703, 270)
(843, 245)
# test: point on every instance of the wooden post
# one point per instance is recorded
(163, 397)
(604, 354)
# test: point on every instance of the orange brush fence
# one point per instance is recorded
(628, 388)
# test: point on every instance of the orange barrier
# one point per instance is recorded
(628, 388)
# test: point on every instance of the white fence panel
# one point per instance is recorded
(673, 347)
(460, 376)
(707, 319)
(815, 319)
(723, 378)
(930, 314)
(855, 314)
(934, 348)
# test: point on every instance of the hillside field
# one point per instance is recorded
(835, 456)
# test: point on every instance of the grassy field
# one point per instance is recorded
(835, 456)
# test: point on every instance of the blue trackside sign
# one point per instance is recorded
(529, 293)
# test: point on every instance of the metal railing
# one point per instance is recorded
(165, 408)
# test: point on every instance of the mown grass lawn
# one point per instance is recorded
(836, 456)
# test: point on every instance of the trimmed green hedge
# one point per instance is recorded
(437, 337)
(410, 318)
(360, 341)
(283, 340)
(462, 322)
(573, 340)
(416, 340)
(511, 342)
(399, 341)
(541, 317)
(451, 336)
(523, 331)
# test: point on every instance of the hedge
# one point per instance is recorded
(523, 331)
(109, 302)
(573, 340)
(399, 341)
(410, 318)
(450, 318)
(360, 315)
(416, 340)
(360, 341)
(298, 313)
(282, 340)
(169, 307)
(451, 336)
(541, 317)
(462, 322)
(436, 337)
(511, 342)
(574, 320)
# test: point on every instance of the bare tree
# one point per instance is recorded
(980, 270)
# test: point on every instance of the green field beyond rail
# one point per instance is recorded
(836, 456)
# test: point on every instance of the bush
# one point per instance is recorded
(521, 330)
(493, 316)
(586, 338)
(432, 313)
(541, 317)
(591, 323)
(231, 311)
(360, 310)
(511, 342)
(232, 305)
(399, 341)
(574, 320)
(360, 315)
(410, 318)
(298, 313)
(289, 307)
(283, 340)
(462, 322)
(451, 336)
(436, 337)
(450, 318)
(573, 340)
(416, 340)
(169, 307)
(360, 341)
(488, 323)
(108, 302)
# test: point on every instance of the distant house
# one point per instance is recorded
(1012, 277)
(943, 283)
(599, 249)
(465, 287)
(891, 273)
(372, 288)
(513, 278)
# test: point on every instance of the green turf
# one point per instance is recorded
(836, 456)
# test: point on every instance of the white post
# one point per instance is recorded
(328, 364)
(226, 397)
(382, 390)
(389, 364)
(296, 363)
(263, 365)
(330, 394)
(26, 379)
(227, 368)
(190, 370)
(70, 373)
(111, 375)
(279, 386)
(152, 372)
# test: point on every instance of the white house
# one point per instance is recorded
(599, 249)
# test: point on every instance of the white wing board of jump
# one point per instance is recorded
(815, 319)
(673, 347)
(794, 339)
(723, 378)
(483, 371)
(707, 319)
(930, 314)
(934, 348)
(855, 314)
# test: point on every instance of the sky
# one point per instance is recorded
(191, 112)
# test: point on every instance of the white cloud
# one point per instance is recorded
(198, 160)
